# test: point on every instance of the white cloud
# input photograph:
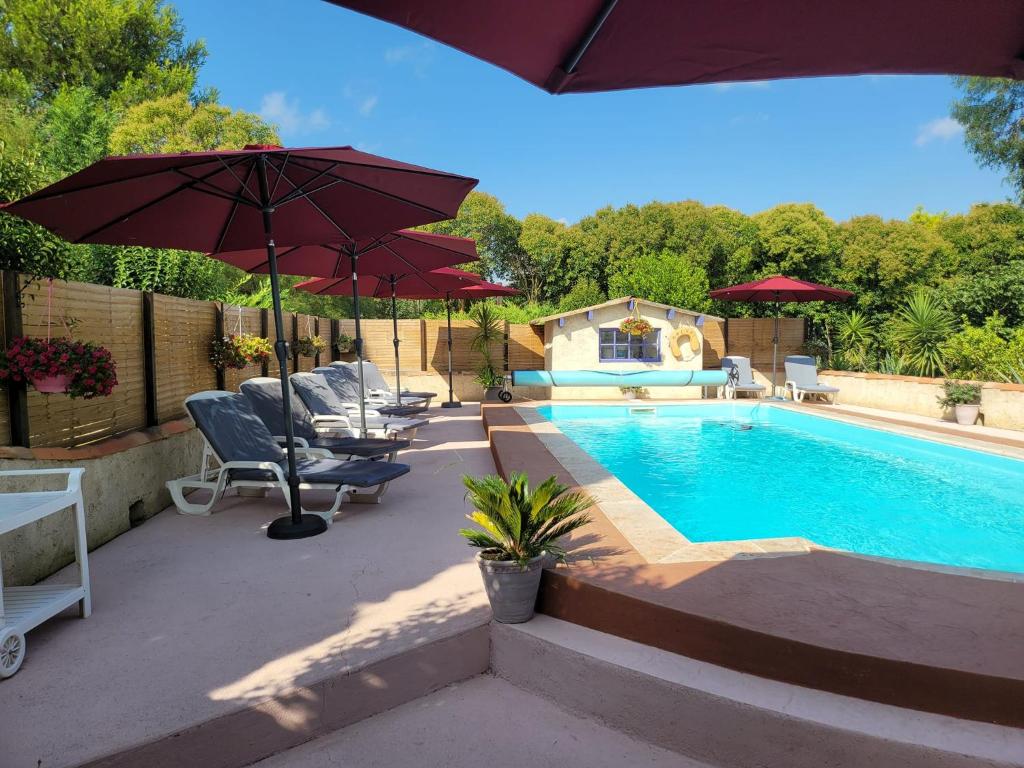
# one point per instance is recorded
(941, 128)
(277, 108)
(366, 106)
(756, 85)
(417, 56)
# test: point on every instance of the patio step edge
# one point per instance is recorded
(274, 725)
(727, 718)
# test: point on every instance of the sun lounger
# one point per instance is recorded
(345, 383)
(378, 387)
(240, 451)
(740, 377)
(264, 396)
(802, 379)
(323, 403)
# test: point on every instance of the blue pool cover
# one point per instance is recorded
(618, 378)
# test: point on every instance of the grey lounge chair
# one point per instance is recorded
(802, 379)
(264, 396)
(345, 383)
(321, 399)
(378, 387)
(240, 451)
(740, 377)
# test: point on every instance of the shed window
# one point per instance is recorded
(614, 346)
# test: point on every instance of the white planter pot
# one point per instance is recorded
(966, 414)
(629, 395)
(511, 588)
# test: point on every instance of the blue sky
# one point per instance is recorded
(851, 145)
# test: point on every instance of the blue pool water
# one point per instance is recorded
(724, 472)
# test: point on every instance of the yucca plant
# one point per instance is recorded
(922, 326)
(856, 334)
(517, 523)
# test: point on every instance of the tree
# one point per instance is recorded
(998, 289)
(664, 277)
(94, 43)
(538, 255)
(586, 293)
(991, 110)
(796, 239)
(174, 124)
(482, 218)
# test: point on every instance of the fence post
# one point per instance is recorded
(17, 392)
(149, 358)
(505, 348)
(264, 333)
(219, 330)
(295, 338)
(335, 333)
(423, 345)
(316, 332)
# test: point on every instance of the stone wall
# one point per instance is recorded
(1002, 405)
(123, 485)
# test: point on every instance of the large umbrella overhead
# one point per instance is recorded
(242, 199)
(778, 290)
(394, 255)
(410, 285)
(482, 290)
(605, 45)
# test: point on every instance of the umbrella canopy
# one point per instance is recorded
(434, 284)
(213, 201)
(779, 289)
(244, 199)
(606, 45)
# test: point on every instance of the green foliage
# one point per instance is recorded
(482, 217)
(586, 293)
(956, 393)
(344, 344)
(517, 523)
(922, 327)
(239, 351)
(310, 346)
(991, 110)
(991, 352)
(489, 330)
(856, 334)
(996, 289)
(663, 277)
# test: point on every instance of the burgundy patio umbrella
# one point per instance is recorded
(482, 290)
(410, 285)
(387, 260)
(779, 289)
(606, 45)
(246, 199)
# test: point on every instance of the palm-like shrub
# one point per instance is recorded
(856, 334)
(519, 524)
(488, 331)
(922, 327)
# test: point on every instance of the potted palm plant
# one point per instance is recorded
(519, 529)
(964, 398)
(488, 332)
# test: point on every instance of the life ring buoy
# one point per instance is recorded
(678, 334)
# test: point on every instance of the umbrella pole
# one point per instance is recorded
(359, 342)
(451, 386)
(296, 525)
(775, 349)
(394, 325)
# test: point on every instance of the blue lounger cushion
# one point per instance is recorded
(361, 474)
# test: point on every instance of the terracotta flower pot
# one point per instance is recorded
(52, 385)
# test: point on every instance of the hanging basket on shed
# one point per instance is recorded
(635, 326)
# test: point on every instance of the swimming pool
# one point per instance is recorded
(751, 471)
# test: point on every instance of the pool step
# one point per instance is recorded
(727, 718)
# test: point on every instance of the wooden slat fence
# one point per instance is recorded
(183, 331)
(714, 343)
(108, 316)
(525, 347)
(752, 337)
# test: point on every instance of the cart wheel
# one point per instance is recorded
(12, 652)
(505, 397)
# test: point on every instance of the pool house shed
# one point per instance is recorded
(591, 339)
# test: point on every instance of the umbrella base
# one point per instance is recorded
(451, 404)
(284, 528)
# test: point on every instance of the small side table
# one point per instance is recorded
(24, 608)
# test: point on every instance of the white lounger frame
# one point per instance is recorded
(215, 476)
(799, 394)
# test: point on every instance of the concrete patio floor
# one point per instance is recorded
(483, 721)
(198, 617)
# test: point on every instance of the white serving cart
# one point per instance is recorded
(24, 608)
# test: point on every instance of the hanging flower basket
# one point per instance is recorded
(239, 351)
(635, 326)
(344, 344)
(310, 346)
(60, 366)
